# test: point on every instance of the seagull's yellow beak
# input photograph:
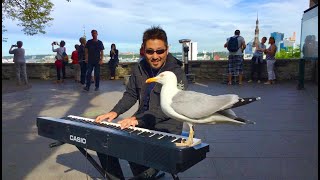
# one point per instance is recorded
(150, 80)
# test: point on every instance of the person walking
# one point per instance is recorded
(114, 61)
(235, 45)
(256, 61)
(20, 63)
(94, 58)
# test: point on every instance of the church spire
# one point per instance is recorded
(256, 33)
(84, 31)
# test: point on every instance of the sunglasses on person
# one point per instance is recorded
(151, 51)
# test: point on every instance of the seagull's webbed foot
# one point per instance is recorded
(189, 141)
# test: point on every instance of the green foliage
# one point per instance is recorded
(289, 53)
(32, 15)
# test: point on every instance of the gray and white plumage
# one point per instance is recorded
(195, 107)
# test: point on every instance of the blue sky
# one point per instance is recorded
(207, 22)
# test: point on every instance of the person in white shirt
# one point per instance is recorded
(20, 63)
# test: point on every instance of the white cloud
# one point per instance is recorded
(208, 22)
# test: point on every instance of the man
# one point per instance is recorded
(235, 58)
(82, 62)
(149, 114)
(19, 62)
(257, 59)
(93, 57)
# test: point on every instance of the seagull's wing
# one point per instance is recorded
(197, 105)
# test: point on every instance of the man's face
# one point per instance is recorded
(156, 53)
(94, 34)
(263, 40)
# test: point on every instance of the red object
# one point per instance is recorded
(58, 63)
(74, 57)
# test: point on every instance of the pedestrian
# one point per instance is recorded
(235, 45)
(270, 58)
(114, 61)
(59, 63)
(75, 63)
(257, 59)
(82, 62)
(94, 58)
(19, 63)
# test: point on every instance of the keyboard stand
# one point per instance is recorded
(96, 165)
(104, 174)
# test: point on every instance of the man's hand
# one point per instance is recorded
(100, 62)
(108, 116)
(86, 61)
(127, 122)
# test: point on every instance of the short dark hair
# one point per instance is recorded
(237, 32)
(155, 32)
(265, 38)
(93, 30)
(76, 46)
(19, 43)
(62, 43)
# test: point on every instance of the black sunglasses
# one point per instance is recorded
(159, 51)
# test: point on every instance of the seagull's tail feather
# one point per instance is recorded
(245, 121)
(244, 101)
(230, 114)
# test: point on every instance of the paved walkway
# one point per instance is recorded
(283, 144)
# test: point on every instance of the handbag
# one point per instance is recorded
(65, 57)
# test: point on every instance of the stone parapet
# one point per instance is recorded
(213, 70)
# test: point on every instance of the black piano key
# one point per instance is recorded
(171, 138)
(165, 138)
(135, 132)
(156, 136)
(144, 134)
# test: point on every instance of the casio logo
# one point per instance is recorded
(78, 139)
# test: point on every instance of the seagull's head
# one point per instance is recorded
(164, 78)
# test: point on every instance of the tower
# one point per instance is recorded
(256, 34)
(84, 32)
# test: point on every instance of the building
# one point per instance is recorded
(256, 34)
(251, 45)
(278, 37)
(193, 50)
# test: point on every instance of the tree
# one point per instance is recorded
(288, 53)
(32, 15)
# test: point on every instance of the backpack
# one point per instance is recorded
(233, 44)
(65, 56)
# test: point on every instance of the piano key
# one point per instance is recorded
(152, 134)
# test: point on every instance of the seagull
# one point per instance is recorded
(195, 107)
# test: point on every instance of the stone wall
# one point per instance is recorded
(212, 70)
